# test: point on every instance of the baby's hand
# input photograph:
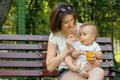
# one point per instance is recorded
(92, 59)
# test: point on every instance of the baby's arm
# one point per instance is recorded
(76, 53)
(98, 58)
(95, 59)
(99, 55)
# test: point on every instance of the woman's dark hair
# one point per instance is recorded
(58, 13)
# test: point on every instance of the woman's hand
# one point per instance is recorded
(70, 39)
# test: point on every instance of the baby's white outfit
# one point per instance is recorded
(81, 59)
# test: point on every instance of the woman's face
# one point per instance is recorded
(68, 23)
(86, 35)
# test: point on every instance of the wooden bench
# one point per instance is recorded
(24, 56)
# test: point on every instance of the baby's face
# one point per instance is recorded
(86, 35)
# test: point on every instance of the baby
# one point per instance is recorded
(86, 42)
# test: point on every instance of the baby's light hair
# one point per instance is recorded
(93, 26)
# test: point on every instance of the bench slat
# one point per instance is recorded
(37, 64)
(37, 73)
(36, 38)
(39, 55)
(41, 38)
(109, 74)
(103, 40)
(22, 47)
(107, 64)
(38, 47)
(106, 48)
(25, 55)
(108, 56)
(27, 73)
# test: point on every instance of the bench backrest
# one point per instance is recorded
(24, 55)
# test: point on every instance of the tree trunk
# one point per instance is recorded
(4, 9)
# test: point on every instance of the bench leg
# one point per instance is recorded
(111, 78)
(40, 78)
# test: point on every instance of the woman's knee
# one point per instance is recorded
(98, 70)
(72, 76)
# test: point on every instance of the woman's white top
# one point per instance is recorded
(60, 41)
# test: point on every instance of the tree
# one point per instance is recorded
(4, 9)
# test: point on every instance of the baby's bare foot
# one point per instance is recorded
(84, 73)
(76, 68)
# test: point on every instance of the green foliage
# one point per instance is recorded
(37, 17)
(105, 13)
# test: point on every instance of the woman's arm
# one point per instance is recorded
(53, 60)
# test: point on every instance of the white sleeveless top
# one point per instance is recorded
(59, 40)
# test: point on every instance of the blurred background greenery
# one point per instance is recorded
(32, 17)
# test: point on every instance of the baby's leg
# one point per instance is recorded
(84, 73)
(70, 62)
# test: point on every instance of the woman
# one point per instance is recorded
(62, 24)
